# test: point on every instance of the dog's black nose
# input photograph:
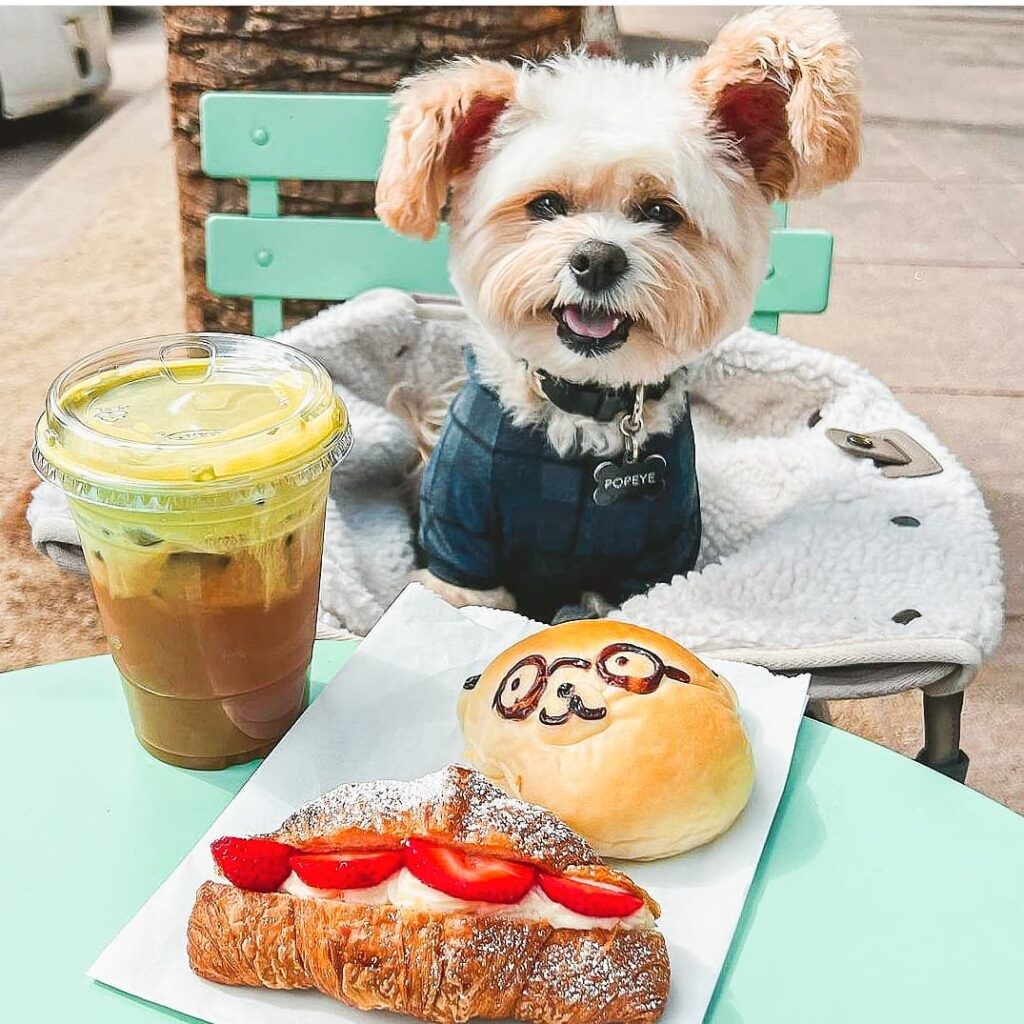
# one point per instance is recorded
(597, 265)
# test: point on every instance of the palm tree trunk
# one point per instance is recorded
(315, 49)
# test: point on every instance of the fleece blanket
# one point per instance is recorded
(811, 559)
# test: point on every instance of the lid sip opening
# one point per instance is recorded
(198, 352)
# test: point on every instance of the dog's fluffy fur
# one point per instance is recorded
(770, 112)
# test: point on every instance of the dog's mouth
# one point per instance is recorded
(591, 332)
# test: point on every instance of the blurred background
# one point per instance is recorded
(102, 202)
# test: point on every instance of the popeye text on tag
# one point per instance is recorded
(644, 478)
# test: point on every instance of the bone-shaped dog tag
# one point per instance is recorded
(644, 478)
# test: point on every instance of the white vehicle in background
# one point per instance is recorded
(51, 57)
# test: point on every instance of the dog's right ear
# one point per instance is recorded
(441, 120)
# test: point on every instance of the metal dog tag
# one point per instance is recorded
(643, 478)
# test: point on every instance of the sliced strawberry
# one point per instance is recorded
(257, 864)
(358, 869)
(468, 876)
(593, 899)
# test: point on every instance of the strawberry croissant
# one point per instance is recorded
(441, 898)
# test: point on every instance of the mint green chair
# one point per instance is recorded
(266, 137)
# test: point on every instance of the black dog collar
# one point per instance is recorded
(597, 401)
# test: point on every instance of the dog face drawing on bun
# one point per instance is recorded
(622, 732)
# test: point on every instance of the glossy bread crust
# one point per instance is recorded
(642, 773)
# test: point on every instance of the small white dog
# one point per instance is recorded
(608, 222)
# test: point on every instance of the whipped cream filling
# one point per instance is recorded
(403, 889)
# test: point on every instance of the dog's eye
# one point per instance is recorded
(548, 206)
(658, 211)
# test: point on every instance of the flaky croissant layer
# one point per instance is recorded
(437, 967)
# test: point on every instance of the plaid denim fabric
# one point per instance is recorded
(499, 507)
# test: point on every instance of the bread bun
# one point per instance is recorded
(624, 734)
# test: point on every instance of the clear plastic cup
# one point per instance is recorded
(197, 469)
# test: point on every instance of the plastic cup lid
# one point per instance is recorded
(189, 420)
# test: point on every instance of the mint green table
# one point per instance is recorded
(886, 892)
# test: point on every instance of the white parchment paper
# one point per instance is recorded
(390, 713)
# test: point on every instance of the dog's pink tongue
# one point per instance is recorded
(590, 325)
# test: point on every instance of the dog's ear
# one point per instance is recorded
(782, 82)
(441, 120)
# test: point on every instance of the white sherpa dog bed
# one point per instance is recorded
(802, 566)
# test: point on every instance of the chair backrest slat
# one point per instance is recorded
(299, 136)
(336, 258)
(319, 258)
(266, 137)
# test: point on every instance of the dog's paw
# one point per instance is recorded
(463, 597)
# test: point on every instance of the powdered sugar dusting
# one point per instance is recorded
(367, 806)
(630, 969)
(473, 811)
(538, 833)
(558, 974)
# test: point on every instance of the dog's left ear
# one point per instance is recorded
(442, 119)
(782, 82)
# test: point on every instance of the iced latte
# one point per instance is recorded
(197, 470)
